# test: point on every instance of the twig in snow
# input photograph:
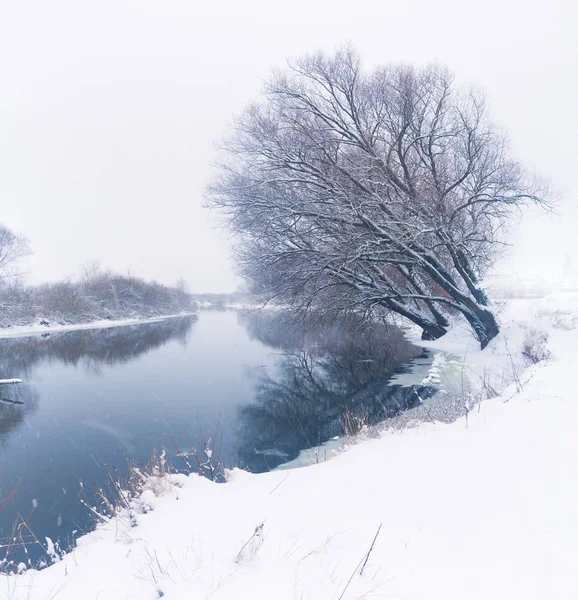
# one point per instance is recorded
(282, 481)
(370, 549)
(359, 564)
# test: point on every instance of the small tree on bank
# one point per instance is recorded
(13, 247)
(387, 190)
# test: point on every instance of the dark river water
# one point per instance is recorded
(261, 386)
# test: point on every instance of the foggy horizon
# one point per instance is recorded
(110, 115)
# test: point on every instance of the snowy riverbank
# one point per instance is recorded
(38, 328)
(484, 507)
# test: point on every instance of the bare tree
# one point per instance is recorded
(387, 190)
(90, 271)
(13, 247)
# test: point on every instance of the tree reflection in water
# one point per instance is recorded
(328, 376)
(16, 401)
(91, 349)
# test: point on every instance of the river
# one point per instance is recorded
(259, 385)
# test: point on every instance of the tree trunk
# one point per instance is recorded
(431, 329)
(484, 324)
(433, 332)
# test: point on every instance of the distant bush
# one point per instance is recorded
(97, 296)
(535, 346)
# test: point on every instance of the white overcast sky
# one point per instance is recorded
(109, 111)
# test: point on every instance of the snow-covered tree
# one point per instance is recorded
(386, 190)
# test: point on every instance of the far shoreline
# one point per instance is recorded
(36, 329)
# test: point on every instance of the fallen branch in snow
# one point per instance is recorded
(370, 549)
(363, 560)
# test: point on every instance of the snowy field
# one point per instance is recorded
(481, 508)
(30, 330)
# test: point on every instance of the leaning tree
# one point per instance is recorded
(361, 191)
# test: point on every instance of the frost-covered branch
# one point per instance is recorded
(388, 188)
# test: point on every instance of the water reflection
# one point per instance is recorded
(329, 378)
(16, 401)
(91, 348)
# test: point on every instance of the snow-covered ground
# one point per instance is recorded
(482, 508)
(37, 328)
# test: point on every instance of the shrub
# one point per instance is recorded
(535, 346)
